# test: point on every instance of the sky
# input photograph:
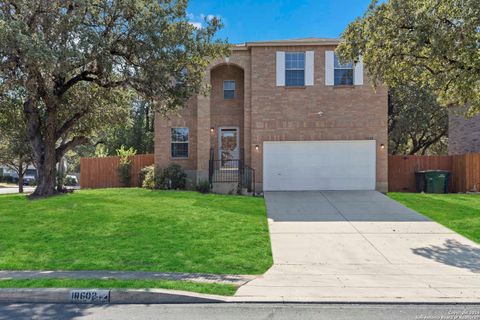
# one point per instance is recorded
(248, 20)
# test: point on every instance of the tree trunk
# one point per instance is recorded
(20, 178)
(46, 171)
(43, 147)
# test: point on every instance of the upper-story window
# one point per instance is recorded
(294, 69)
(229, 89)
(343, 73)
(179, 142)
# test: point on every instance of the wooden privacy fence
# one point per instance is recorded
(465, 171)
(102, 172)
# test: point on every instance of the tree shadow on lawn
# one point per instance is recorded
(453, 253)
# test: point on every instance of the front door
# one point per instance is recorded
(228, 146)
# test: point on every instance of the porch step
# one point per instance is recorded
(225, 187)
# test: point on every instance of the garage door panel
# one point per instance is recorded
(319, 165)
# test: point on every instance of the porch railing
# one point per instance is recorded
(248, 179)
(233, 171)
(225, 170)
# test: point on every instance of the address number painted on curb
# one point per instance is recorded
(89, 296)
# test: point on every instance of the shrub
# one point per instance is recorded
(173, 177)
(157, 177)
(203, 186)
(124, 174)
(125, 165)
(148, 180)
(143, 173)
(152, 178)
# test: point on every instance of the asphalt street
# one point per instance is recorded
(241, 311)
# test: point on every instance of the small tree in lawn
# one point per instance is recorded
(76, 64)
(15, 150)
(125, 165)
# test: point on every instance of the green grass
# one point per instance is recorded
(208, 288)
(459, 212)
(135, 229)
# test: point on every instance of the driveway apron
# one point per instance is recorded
(361, 246)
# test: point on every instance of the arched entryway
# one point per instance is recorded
(227, 111)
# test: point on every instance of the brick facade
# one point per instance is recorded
(463, 134)
(266, 112)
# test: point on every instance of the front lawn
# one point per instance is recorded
(135, 229)
(459, 212)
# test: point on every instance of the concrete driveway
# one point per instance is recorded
(362, 246)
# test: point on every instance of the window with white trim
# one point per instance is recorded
(343, 73)
(229, 89)
(179, 142)
(294, 69)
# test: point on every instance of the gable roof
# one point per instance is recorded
(290, 42)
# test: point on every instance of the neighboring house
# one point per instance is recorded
(463, 134)
(287, 110)
(6, 171)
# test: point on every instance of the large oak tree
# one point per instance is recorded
(76, 63)
(416, 123)
(432, 43)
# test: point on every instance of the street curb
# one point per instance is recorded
(116, 296)
(162, 296)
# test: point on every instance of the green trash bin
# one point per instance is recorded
(436, 181)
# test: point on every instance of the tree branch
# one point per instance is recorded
(433, 141)
(83, 76)
(70, 122)
(88, 76)
(12, 166)
(64, 147)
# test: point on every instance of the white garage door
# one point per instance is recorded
(319, 165)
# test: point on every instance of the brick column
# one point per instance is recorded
(247, 113)
(203, 132)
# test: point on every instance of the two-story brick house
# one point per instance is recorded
(287, 110)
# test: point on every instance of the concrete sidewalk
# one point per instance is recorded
(362, 246)
(13, 190)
